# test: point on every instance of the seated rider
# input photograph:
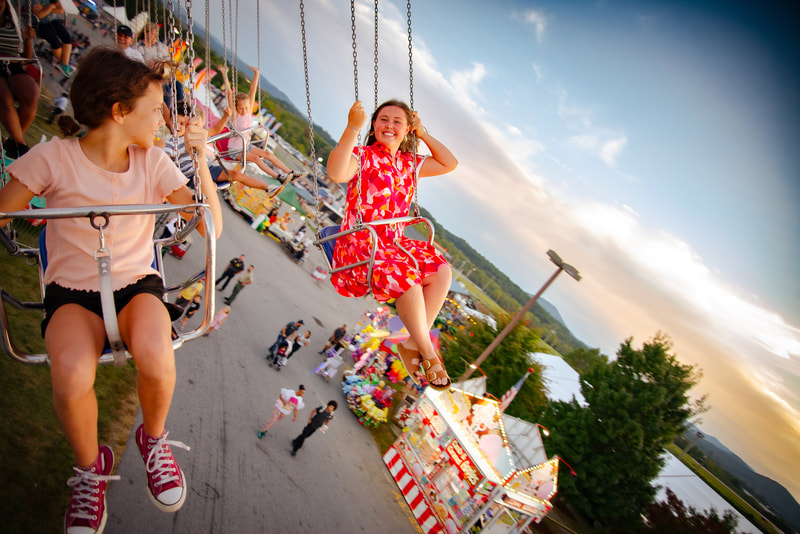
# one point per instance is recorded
(240, 110)
(220, 174)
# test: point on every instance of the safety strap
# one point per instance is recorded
(103, 257)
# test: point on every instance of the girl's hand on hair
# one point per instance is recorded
(196, 136)
(356, 117)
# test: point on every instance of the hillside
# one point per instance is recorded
(764, 489)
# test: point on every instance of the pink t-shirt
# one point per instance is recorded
(61, 172)
(241, 123)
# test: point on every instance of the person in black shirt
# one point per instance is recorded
(235, 266)
(320, 417)
(337, 336)
(286, 332)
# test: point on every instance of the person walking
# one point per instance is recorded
(218, 320)
(245, 279)
(335, 338)
(320, 418)
(286, 332)
(235, 266)
(289, 402)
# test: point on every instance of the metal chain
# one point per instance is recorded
(173, 88)
(208, 57)
(258, 53)
(375, 60)
(224, 37)
(411, 104)
(310, 122)
(235, 54)
(355, 85)
(115, 19)
(190, 57)
(355, 53)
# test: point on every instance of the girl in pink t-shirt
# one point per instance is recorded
(410, 271)
(240, 109)
(114, 163)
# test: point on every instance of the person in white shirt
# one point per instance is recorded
(124, 42)
(289, 402)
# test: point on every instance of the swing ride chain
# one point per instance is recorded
(358, 221)
(190, 57)
(375, 60)
(411, 104)
(170, 22)
(310, 121)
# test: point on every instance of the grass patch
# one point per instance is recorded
(36, 457)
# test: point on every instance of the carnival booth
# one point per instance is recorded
(456, 468)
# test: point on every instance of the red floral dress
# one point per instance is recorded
(387, 189)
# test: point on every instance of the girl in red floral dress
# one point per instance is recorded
(387, 189)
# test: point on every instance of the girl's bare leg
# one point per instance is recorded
(74, 340)
(145, 327)
(411, 309)
(269, 156)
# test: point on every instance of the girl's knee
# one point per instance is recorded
(71, 378)
(154, 360)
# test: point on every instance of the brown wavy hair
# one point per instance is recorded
(106, 76)
(407, 145)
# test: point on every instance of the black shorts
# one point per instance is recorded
(12, 68)
(56, 296)
(54, 33)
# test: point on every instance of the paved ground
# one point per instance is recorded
(225, 390)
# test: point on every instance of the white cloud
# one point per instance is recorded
(538, 20)
(465, 84)
(611, 149)
(539, 71)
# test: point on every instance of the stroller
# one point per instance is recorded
(278, 356)
(330, 366)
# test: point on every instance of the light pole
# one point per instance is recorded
(556, 259)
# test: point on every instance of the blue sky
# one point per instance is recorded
(651, 144)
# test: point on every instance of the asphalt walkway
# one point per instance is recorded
(336, 484)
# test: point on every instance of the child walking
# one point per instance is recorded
(114, 163)
(218, 320)
(387, 190)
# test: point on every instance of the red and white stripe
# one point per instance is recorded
(412, 492)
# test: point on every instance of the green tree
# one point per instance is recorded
(637, 404)
(583, 360)
(504, 367)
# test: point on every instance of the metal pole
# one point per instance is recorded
(510, 326)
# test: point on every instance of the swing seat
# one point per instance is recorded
(326, 240)
(329, 246)
(40, 256)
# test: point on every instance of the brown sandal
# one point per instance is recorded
(430, 376)
(410, 359)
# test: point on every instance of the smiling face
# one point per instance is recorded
(144, 120)
(122, 40)
(391, 126)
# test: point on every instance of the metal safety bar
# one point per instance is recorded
(13, 349)
(368, 227)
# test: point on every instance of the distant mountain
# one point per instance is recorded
(763, 488)
(551, 309)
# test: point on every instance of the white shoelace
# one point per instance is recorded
(86, 494)
(160, 461)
